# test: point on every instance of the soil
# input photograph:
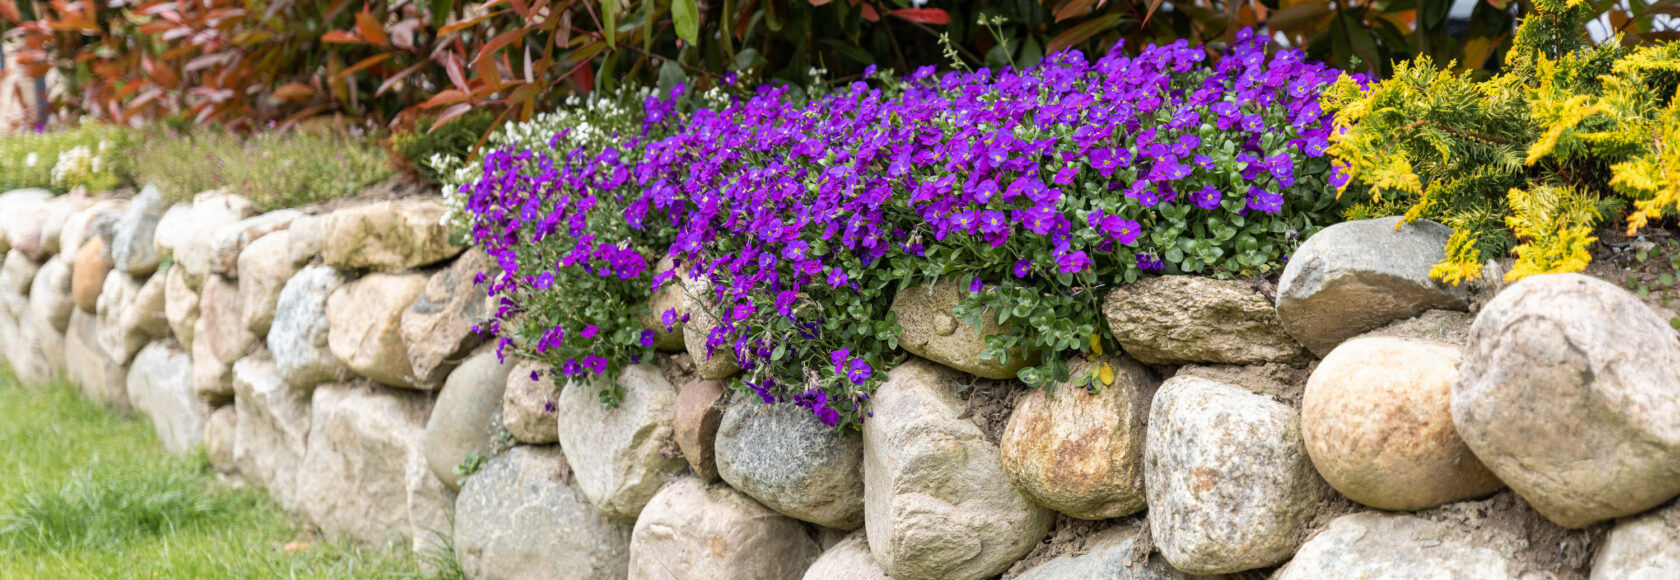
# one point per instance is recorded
(1506, 523)
(990, 402)
(1647, 265)
(1068, 537)
(1281, 382)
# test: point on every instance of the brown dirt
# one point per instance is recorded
(990, 402)
(1617, 259)
(1279, 381)
(1067, 537)
(1506, 523)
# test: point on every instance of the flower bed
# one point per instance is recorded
(803, 217)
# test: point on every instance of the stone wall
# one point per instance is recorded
(1354, 420)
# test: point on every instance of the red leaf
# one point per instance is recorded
(341, 37)
(497, 43)
(934, 16)
(293, 91)
(447, 97)
(369, 26)
(584, 77)
(364, 64)
(452, 113)
(870, 14)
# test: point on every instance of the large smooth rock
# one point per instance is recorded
(263, 272)
(219, 339)
(219, 433)
(1569, 392)
(1171, 320)
(17, 272)
(15, 205)
(848, 560)
(619, 455)
(86, 224)
(131, 246)
(273, 428)
(359, 475)
(1109, 554)
(192, 236)
(1494, 539)
(1378, 426)
(670, 297)
(131, 314)
(49, 293)
(937, 502)
(1642, 548)
(87, 276)
(1230, 485)
(1079, 452)
(517, 517)
(38, 232)
(529, 402)
(96, 374)
(700, 406)
(38, 353)
(467, 416)
(932, 332)
(700, 532)
(364, 328)
(299, 335)
(1356, 276)
(229, 242)
(304, 243)
(180, 305)
(712, 362)
(169, 228)
(438, 325)
(784, 456)
(160, 387)
(388, 236)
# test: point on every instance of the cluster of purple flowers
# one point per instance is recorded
(1056, 175)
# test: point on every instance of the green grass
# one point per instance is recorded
(85, 493)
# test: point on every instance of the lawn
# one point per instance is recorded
(86, 493)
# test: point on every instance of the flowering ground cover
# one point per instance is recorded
(800, 213)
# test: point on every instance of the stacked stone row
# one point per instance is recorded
(1359, 420)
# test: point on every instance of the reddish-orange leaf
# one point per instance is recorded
(520, 8)
(455, 27)
(364, 64)
(452, 65)
(1074, 8)
(1153, 6)
(924, 15)
(451, 113)
(392, 81)
(447, 97)
(293, 91)
(368, 25)
(341, 37)
(9, 11)
(584, 77)
(497, 43)
(870, 14)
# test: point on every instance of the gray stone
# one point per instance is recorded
(17, 272)
(1569, 392)
(14, 205)
(1110, 554)
(86, 224)
(298, 337)
(304, 243)
(219, 433)
(1449, 326)
(273, 428)
(1642, 548)
(717, 362)
(180, 305)
(1377, 425)
(620, 456)
(438, 325)
(364, 328)
(529, 403)
(192, 237)
(937, 503)
(784, 456)
(99, 376)
(1171, 320)
(700, 532)
(467, 416)
(364, 475)
(49, 293)
(219, 339)
(131, 314)
(1230, 485)
(160, 387)
(229, 241)
(263, 272)
(1081, 452)
(1385, 546)
(388, 236)
(933, 332)
(130, 243)
(848, 560)
(1357, 276)
(517, 517)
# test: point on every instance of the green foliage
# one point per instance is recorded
(1528, 162)
(425, 142)
(273, 170)
(90, 494)
(93, 157)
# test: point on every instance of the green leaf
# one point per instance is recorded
(609, 22)
(686, 16)
(440, 12)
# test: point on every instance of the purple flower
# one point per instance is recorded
(1149, 263)
(795, 250)
(828, 416)
(784, 302)
(647, 338)
(589, 331)
(669, 319)
(1073, 262)
(975, 286)
(1264, 201)
(545, 280)
(1207, 197)
(1022, 267)
(838, 358)
(836, 277)
(859, 372)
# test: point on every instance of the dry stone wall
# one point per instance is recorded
(1360, 420)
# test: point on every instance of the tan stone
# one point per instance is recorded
(1377, 425)
(219, 434)
(692, 531)
(438, 325)
(388, 236)
(1169, 320)
(180, 305)
(669, 296)
(263, 272)
(98, 376)
(1079, 452)
(932, 332)
(219, 339)
(364, 320)
(712, 363)
(699, 409)
(130, 314)
(87, 277)
(529, 403)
